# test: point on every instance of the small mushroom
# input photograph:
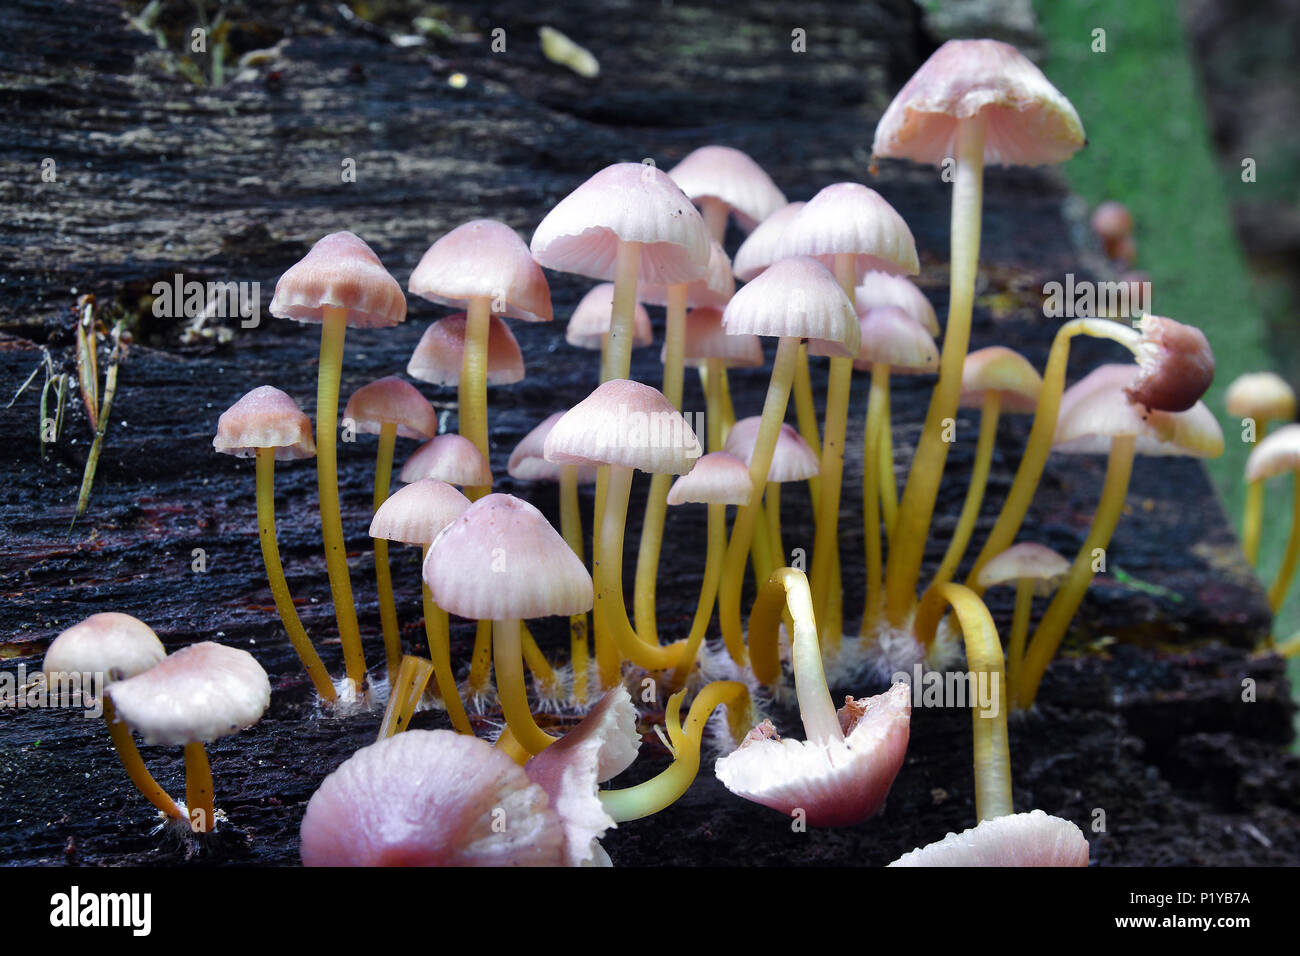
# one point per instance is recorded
(721, 180)
(1278, 454)
(451, 458)
(439, 356)
(1036, 571)
(589, 323)
(1263, 397)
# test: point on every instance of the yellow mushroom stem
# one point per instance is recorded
(334, 329)
(1289, 648)
(198, 788)
(404, 693)
(545, 679)
(1252, 520)
(717, 544)
(665, 789)
(1051, 629)
(656, 503)
(507, 653)
(984, 664)
(927, 616)
(480, 662)
(1282, 583)
(471, 392)
(608, 662)
(609, 583)
(302, 644)
(772, 503)
(888, 485)
(507, 744)
(438, 631)
(133, 763)
(383, 576)
(806, 413)
(728, 412)
(1039, 443)
(622, 319)
(571, 529)
(742, 529)
(1019, 634)
(871, 604)
(760, 547)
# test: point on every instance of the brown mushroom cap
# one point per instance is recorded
(439, 355)
(265, 418)
(392, 401)
(1176, 362)
(340, 272)
(115, 645)
(484, 258)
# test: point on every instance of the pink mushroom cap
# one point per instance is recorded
(439, 355)
(392, 401)
(718, 478)
(479, 259)
(851, 219)
(265, 418)
(415, 513)
(589, 323)
(528, 460)
(728, 176)
(758, 251)
(796, 298)
(624, 423)
(451, 458)
(340, 272)
(1019, 839)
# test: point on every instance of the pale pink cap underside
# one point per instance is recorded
(1276, 454)
(1260, 395)
(1025, 560)
(632, 202)
(480, 259)
(451, 458)
(999, 369)
(265, 418)
(880, 288)
(109, 643)
(796, 298)
(758, 251)
(1020, 839)
(196, 695)
(729, 176)
(706, 338)
(714, 290)
(851, 219)
(342, 272)
(415, 513)
(792, 459)
(718, 478)
(837, 783)
(589, 324)
(502, 560)
(430, 798)
(392, 401)
(528, 460)
(1028, 121)
(440, 353)
(624, 423)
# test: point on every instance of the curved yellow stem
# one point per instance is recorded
(1282, 583)
(438, 631)
(545, 680)
(717, 543)
(133, 763)
(1252, 520)
(507, 744)
(1019, 634)
(507, 652)
(383, 577)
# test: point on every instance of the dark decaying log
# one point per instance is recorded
(1142, 718)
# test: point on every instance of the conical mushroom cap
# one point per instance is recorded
(1028, 120)
(590, 321)
(113, 644)
(392, 401)
(706, 338)
(1020, 839)
(484, 258)
(999, 369)
(1025, 561)
(851, 219)
(796, 298)
(792, 459)
(624, 423)
(451, 458)
(731, 177)
(528, 460)
(340, 272)
(878, 289)
(265, 418)
(632, 202)
(1261, 395)
(718, 478)
(415, 513)
(890, 334)
(430, 798)
(501, 560)
(440, 353)
(758, 251)
(1275, 455)
(713, 290)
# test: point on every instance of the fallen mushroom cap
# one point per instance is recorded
(115, 645)
(265, 418)
(196, 695)
(484, 258)
(758, 251)
(795, 298)
(1028, 121)
(718, 478)
(1020, 839)
(392, 401)
(632, 202)
(589, 323)
(451, 458)
(600, 747)
(834, 784)
(999, 369)
(1176, 362)
(880, 288)
(340, 272)
(792, 459)
(1025, 560)
(706, 338)
(528, 460)
(714, 289)
(628, 424)
(415, 513)
(439, 355)
(732, 178)
(430, 798)
(849, 218)
(1275, 455)
(501, 560)
(1263, 395)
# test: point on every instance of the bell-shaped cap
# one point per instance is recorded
(451, 458)
(1025, 561)
(835, 783)
(878, 289)
(502, 560)
(1264, 396)
(392, 401)
(999, 369)
(792, 459)
(196, 695)
(730, 177)
(1096, 409)
(115, 645)
(440, 353)
(1176, 363)
(628, 424)
(590, 321)
(851, 219)
(718, 478)
(706, 338)
(415, 513)
(528, 460)
(890, 334)
(1028, 121)
(758, 251)
(430, 798)
(340, 272)
(1019, 839)
(628, 202)
(484, 259)
(1276, 454)
(713, 290)
(795, 298)
(265, 418)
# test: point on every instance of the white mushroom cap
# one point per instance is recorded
(851, 219)
(590, 321)
(729, 176)
(878, 289)
(1025, 560)
(795, 298)
(792, 459)
(758, 251)
(451, 458)
(1019, 839)
(1275, 455)
(718, 478)
(624, 423)
(528, 460)
(1260, 395)
(196, 695)
(484, 259)
(415, 513)
(110, 643)
(340, 272)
